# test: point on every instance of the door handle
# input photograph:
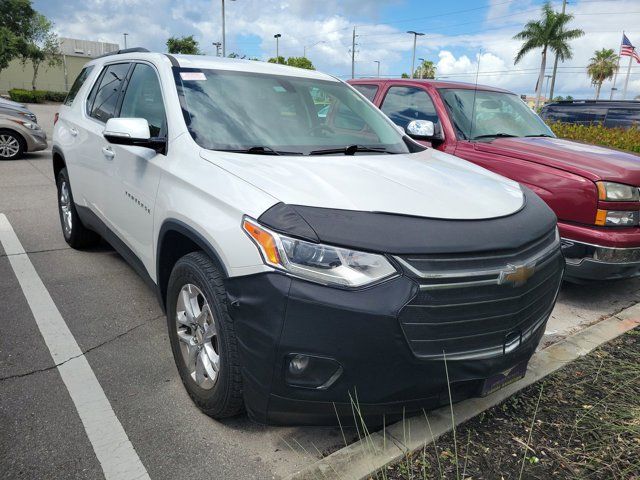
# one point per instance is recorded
(73, 131)
(107, 152)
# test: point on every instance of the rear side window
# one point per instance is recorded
(623, 117)
(105, 93)
(581, 114)
(77, 85)
(404, 104)
(143, 98)
(368, 91)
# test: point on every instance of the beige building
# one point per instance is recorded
(75, 53)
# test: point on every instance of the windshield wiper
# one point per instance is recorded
(540, 135)
(258, 150)
(494, 135)
(350, 150)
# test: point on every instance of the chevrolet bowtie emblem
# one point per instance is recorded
(516, 275)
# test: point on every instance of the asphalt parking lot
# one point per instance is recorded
(118, 325)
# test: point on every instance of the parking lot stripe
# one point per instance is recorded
(111, 445)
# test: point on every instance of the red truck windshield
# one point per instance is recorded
(485, 114)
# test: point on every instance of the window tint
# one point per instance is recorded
(105, 93)
(143, 98)
(404, 104)
(77, 84)
(368, 91)
(584, 115)
(622, 117)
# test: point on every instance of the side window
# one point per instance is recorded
(369, 91)
(106, 91)
(143, 98)
(622, 117)
(82, 77)
(404, 104)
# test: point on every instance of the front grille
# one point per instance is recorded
(473, 306)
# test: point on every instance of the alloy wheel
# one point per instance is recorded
(65, 208)
(9, 146)
(198, 335)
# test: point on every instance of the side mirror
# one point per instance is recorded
(132, 131)
(421, 130)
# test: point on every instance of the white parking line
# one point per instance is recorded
(115, 453)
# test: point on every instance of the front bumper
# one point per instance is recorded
(36, 140)
(276, 316)
(600, 253)
(594, 262)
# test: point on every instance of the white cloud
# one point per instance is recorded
(252, 23)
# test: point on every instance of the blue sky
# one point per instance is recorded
(457, 34)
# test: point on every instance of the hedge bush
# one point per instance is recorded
(35, 96)
(624, 139)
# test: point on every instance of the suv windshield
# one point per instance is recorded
(274, 114)
(495, 114)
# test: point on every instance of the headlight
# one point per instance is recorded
(316, 262)
(617, 192)
(617, 218)
(29, 125)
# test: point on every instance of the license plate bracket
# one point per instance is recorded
(502, 379)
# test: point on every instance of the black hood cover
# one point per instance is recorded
(402, 234)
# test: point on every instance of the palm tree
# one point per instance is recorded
(602, 66)
(547, 33)
(427, 69)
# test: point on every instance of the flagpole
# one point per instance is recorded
(626, 82)
(615, 77)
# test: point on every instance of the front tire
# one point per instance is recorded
(12, 145)
(75, 233)
(202, 336)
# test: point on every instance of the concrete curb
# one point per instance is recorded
(361, 459)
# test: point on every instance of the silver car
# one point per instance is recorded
(19, 135)
(15, 109)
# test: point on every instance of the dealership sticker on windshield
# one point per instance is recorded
(192, 76)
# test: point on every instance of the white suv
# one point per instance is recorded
(306, 251)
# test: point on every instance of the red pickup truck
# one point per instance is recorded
(593, 190)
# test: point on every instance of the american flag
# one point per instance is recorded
(628, 50)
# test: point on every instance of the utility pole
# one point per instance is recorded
(555, 62)
(378, 62)
(125, 40)
(304, 48)
(224, 38)
(217, 45)
(413, 57)
(353, 54)
(277, 37)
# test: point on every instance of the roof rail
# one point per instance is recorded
(125, 50)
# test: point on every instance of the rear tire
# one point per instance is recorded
(203, 338)
(74, 232)
(12, 145)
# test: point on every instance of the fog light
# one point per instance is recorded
(310, 371)
(298, 364)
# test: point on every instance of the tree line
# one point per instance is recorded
(27, 35)
(188, 45)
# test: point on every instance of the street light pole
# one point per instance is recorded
(125, 40)
(217, 45)
(378, 62)
(413, 57)
(277, 37)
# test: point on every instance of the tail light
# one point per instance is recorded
(55, 118)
